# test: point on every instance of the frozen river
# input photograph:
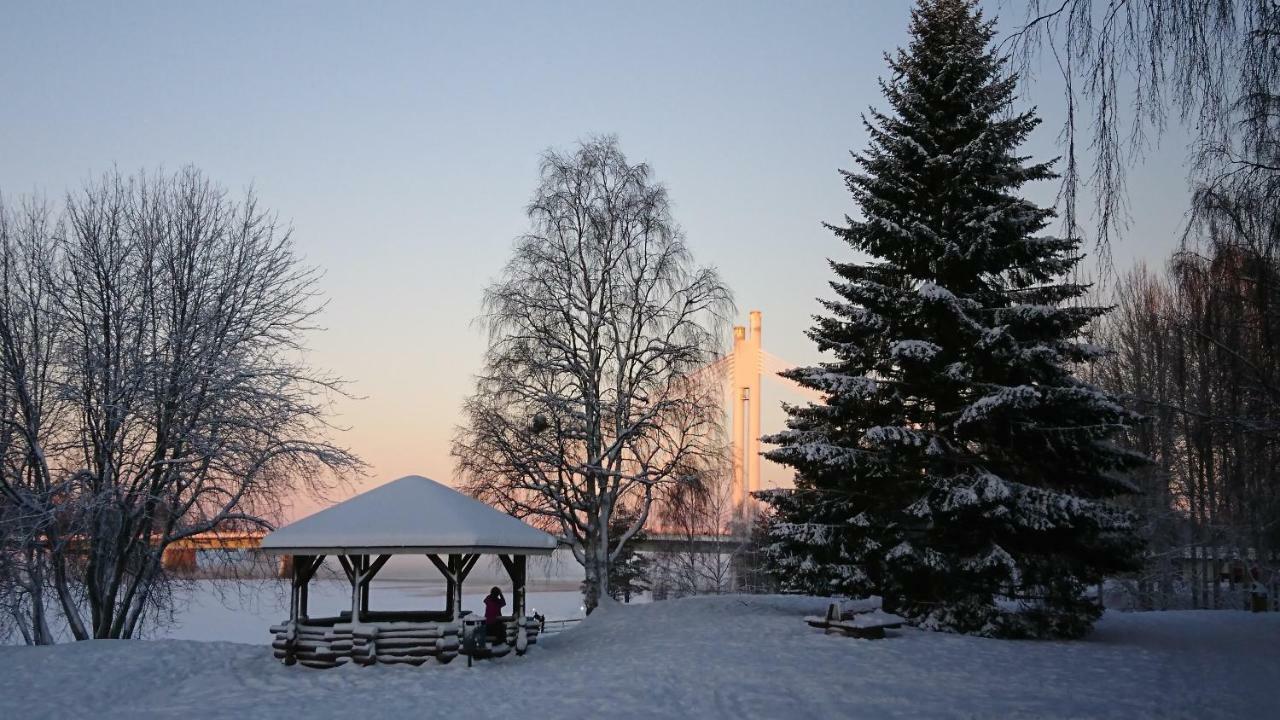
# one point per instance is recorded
(242, 611)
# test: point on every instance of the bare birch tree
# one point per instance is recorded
(157, 387)
(583, 405)
(32, 410)
(1199, 355)
(1141, 371)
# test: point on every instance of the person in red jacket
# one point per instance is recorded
(493, 605)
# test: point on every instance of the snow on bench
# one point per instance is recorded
(860, 623)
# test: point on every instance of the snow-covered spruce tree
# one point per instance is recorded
(957, 467)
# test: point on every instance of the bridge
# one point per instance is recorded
(181, 555)
(675, 543)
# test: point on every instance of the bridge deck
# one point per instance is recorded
(654, 542)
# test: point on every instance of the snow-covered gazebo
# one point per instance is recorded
(412, 515)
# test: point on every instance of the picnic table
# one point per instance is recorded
(861, 623)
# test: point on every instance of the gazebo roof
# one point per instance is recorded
(409, 515)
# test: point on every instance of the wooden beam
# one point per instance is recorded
(375, 567)
(468, 563)
(315, 566)
(509, 565)
(309, 565)
(441, 566)
(347, 568)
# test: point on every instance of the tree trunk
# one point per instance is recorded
(41, 634)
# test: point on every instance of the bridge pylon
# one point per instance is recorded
(746, 398)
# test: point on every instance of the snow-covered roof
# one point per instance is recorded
(409, 515)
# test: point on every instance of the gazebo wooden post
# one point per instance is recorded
(309, 565)
(515, 565)
(451, 584)
(518, 588)
(354, 577)
(360, 572)
(295, 587)
(303, 567)
(365, 578)
(517, 604)
(302, 599)
(455, 590)
(291, 631)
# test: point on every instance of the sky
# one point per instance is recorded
(401, 142)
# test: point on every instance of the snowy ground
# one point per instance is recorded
(721, 657)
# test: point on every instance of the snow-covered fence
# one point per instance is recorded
(555, 627)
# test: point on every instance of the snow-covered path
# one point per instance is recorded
(705, 658)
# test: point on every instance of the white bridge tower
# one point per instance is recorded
(745, 396)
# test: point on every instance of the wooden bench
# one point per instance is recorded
(868, 625)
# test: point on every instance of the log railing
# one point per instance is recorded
(333, 641)
(366, 636)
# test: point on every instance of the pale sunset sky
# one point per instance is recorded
(401, 141)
